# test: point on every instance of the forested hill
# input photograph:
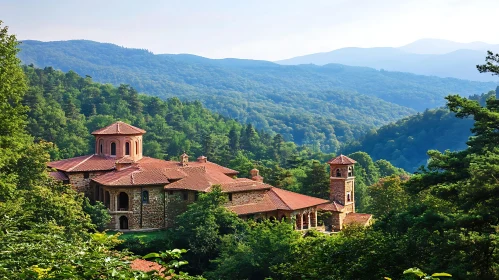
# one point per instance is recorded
(320, 106)
(64, 108)
(405, 142)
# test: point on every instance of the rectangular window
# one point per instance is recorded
(196, 196)
(86, 175)
(145, 197)
(230, 197)
(185, 195)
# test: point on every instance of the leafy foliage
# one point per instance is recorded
(202, 227)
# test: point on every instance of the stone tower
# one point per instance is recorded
(342, 182)
(119, 140)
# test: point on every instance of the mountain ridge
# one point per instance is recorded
(456, 61)
(316, 105)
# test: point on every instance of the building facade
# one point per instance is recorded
(147, 193)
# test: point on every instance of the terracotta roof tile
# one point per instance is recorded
(146, 266)
(84, 163)
(148, 162)
(331, 206)
(357, 218)
(277, 201)
(199, 179)
(117, 178)
(297, 201)
(341, 159)
(244, 185)
(266, 205)
(59, 175)
(119, 127)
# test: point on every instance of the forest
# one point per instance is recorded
(321, 107)
(444, 218)
(404, 143)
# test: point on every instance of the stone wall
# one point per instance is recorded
(153, 212)
(240, 198)
(336, 221)
(80, 184)
(176, 204)
(139, 214)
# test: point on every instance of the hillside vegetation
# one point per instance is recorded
(405, 142)
(317, 106)
(64, 108)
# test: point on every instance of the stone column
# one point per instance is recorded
(314, 217)
(309, 225)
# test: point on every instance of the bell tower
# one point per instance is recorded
(342, 182)
(119, 140)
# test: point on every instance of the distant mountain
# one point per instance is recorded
(308, 104)
(424, 57)
(439, 46)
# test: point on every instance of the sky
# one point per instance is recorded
(254, 29)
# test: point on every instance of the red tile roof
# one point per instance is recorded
(59, 175)
(331, 206)
(296, 201)
(119, 127)
(146, 266)
(84, 163)
(278, 199)
(244, 185)
(199, 179)
(341, 159)
(357, 218)
(266, 205)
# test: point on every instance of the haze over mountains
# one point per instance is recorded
(434, 57)
(307, 104)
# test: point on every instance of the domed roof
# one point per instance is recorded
(119, 128)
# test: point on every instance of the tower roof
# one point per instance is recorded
(342, 160)
(119, 128)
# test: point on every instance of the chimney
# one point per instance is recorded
(122, 165)
(184, 159)
(202, 159)
(255, 176)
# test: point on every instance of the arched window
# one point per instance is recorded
(350, 171)
(338, 173)
(127, 149)
(101, 144)
(145, 197)
(349, 196)
(123, 222)
(136, 147)
(113, 149)
(123, 202)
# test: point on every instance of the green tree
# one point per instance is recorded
(253, 254)
(12, 118)
(98, 213)
(317, 181)
(388, 196)
(202, 227)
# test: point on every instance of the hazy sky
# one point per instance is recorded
(268, 29)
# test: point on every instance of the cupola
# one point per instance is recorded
(119, 140)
